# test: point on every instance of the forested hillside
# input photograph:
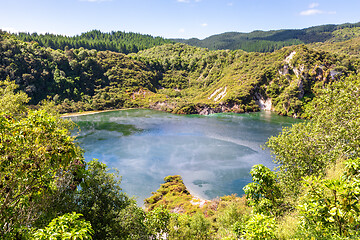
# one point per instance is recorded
(93, 79)
(269, 41)
(238, 81)
(348, 47)
(173, 77)
(121, 42)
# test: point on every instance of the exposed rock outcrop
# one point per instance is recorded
(264, 104)
(218, 94)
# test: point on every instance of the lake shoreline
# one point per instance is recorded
(76, 114)
(84, 113)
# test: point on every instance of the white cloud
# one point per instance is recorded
(204, 25)
(311, 12)
(181, 30)
(230, 4)
(314, 5)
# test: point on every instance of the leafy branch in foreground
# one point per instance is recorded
(263, 193)
(331, 206)
(69, 226)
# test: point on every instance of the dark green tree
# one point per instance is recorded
(263, 193)
(112, 214)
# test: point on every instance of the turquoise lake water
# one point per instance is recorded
(213, 154)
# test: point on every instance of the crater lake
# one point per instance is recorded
(213, 153)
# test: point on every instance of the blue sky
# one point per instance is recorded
(172, 18)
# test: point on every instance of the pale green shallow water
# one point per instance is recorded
(213, 154)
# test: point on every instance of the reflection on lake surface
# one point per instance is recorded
(213, 154)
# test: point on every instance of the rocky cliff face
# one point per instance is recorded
(296, 81)
(264, 104)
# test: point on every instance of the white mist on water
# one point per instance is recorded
(213, 154)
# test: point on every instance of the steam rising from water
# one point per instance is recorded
(213, 154)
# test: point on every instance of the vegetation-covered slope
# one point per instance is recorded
(268, 41)
(197, 79)
(347, 47)
(94, 79)
(172, 77)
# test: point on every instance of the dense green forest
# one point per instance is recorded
(121, 42)
(269, 41)
(47, 189)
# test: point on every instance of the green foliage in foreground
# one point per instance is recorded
(263, 193)
(178, 215)
(41, 168)
(189, 227)
(110, 211)
(260, 227)
(99, 198)
(37, 155)
(68, 226)
(308, 148)
(330, 206)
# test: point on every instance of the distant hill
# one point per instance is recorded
(269, 41)
(121, 42)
